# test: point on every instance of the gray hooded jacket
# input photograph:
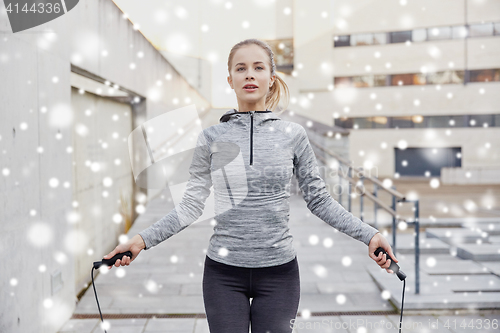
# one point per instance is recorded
(250, 158)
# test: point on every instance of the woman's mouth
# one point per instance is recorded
(250, 89)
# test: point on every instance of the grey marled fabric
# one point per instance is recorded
(252, 200)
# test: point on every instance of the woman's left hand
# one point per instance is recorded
(379, 241)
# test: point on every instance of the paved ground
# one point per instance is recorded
(348, 323)
(336, 279)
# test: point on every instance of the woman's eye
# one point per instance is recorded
(244, 68)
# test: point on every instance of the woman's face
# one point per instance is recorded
(250, 65)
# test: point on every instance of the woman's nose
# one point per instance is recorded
(250, 74)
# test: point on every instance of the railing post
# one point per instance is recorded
(350, 190)
(340, 184)
(417, 249)
(361, 179)
(393, 222)
(375, 205)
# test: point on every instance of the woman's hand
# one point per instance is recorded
(379, 241)
(135, 245)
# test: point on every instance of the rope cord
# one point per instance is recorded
(402, 303)
(95, 292)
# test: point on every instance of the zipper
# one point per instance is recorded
(251, 137)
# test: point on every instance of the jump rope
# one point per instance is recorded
(400, 274)
(110, 262)
(107, 262)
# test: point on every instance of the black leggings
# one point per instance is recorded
(275, 293)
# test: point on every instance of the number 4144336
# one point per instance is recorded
(478, 323)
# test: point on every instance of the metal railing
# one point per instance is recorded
(377, 184)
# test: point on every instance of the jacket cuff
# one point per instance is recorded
(145, 238)
(370, 234)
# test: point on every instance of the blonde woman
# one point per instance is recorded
(250, 255)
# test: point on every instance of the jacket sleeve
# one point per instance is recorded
(191, 206)
(318, 199)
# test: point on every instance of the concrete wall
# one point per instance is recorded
(400, 101)
(102, 178)
(321, 62)
(197, 71)
(33, 213)
(37, 186)
(475, 152)
(183, 34)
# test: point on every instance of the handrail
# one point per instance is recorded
(377, 203)
(368, 194)
(350, 165)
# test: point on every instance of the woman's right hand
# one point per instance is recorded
(135, 245)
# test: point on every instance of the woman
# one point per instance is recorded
(250, 158)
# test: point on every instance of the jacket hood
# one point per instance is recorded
(259, 116)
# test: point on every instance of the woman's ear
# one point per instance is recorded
(273, 79)
(230, 81)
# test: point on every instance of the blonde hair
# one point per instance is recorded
(279, 87)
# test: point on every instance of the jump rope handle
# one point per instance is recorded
(393, 267)
(401, 275)
(107, 262)
(111, 261)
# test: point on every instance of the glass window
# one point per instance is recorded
(402, 122)
(363, 122)
(439, 33)
(478, 30)
(400, 36)
(342, 41)
(496, 119)
(401, 79)
(457, 121)
(482, 75)
(379, 122)
(445, 77)
(361, 39)
(497, 28)
(379, 80)
(470, 121)
(482, 119)
(437, 78)
(342, 82)
(438, 121)
(344, 122)
(419, 79)
(380, 38)
(457, 77)
(362, 81)
(283, 52)
(419, 121)
(459, 32)
(419, 35)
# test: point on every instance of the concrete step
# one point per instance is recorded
(405, 244)
(440, 291)
(495, 239)
(454, 236)
(491, 266)
(492, 228)
(479, 252)
(443, 264)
